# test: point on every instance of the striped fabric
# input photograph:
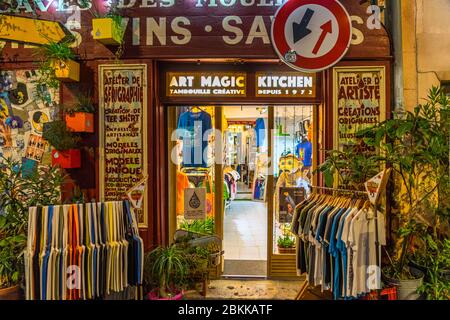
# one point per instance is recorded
(83, 251)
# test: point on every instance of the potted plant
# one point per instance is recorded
(416, 147)
(65, 154)
(107, 27)
(80, 116)
(17, 194)
(199, 226)
(286, 244)
(57, 62)
(437, 268)
(166, 270)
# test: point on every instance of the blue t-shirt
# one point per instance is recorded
(260, 129)
(304, 150)
(195, 142)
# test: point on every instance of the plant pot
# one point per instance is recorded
(406, 289)
(215, 259)
(106, 31)
(154, 295)
(68, 159)
(286, 250)
(80, 122)
(10, 293)
(68, 71)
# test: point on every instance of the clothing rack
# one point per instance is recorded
(305, 285)
(340, 190)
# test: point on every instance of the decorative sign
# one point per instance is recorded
(285, 85)
(194, 84)
(289, 198)
(195, 203)
(123, 102)
(160, 29)
(32, 30)
(137, 193)
(359, 100)
(376, 185)
(311, 35)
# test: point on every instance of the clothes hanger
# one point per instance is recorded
(199, 109)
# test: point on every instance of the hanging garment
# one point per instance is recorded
(337, 243)
(82, 251)
(303, 151)
(260, 129)
(182, 183)
(194, 126)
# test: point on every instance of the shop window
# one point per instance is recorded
(292, 153)
(194, 158)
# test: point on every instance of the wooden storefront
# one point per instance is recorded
(197, 36)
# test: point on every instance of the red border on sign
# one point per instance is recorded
(331, 57)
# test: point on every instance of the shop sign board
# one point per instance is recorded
(359, 103)
(192, 84)
(311, 35)
(123, 126)
(156, 29)
(195, 203)
(285, 84)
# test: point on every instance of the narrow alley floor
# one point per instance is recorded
(249, 289)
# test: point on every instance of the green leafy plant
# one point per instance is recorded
(59, 51)
(416, 147)
(113, 13)
(167, 268)
(17, 194)
(437, 286)
(286, 241)
(57, 134)
(199, 226)
(83, 103)
(49, 54)
(351, 168)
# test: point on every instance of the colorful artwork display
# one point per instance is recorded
(23, 112)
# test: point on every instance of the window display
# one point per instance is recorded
(293, 150)
(195, 166)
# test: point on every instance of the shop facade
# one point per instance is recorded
(180, 55)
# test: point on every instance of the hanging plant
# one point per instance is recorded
(65, 143)
(80, 115)
(107, 27)
(57, 64)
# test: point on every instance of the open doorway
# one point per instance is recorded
(245, 210)
(242, 183)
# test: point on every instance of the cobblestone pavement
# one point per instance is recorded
(249, 289)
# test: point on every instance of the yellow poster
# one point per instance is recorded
(123, 104)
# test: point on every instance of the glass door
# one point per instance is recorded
(291, 150)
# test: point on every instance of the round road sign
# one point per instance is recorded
(311, 35)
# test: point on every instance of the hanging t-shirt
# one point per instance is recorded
(182, 183)
(194, 140)
(303, 151)
(260, 130)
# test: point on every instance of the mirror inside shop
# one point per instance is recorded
(255, 221)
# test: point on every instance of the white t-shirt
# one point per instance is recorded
(362, 238)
